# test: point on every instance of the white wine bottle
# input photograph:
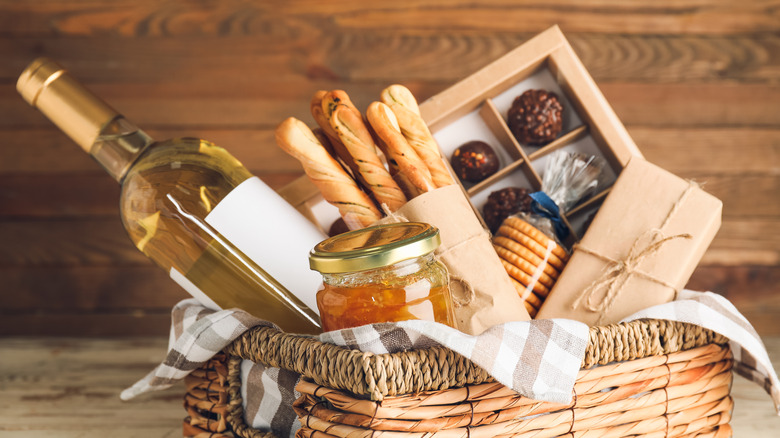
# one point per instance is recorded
(192, 207)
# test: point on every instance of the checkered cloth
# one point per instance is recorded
(539, 359)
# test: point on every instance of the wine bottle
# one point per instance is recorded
(191, 207)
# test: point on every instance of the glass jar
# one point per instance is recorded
(384, 273)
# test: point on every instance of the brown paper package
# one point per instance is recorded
(625, 263)
(470, 259)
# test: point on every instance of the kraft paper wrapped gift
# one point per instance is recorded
(640, 250)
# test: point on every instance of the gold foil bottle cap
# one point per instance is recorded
(374, 247)
(47, 86)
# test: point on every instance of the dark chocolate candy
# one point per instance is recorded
(474, 161)
(337, 227)
(503, 203)
(535, 117)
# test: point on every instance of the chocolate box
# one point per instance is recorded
(476, 109)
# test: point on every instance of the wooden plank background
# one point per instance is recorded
(697, 83)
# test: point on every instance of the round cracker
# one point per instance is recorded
(531, 244)
(525, 253)
(524, 265)
(532, 232)
(537, 289)
(532, 298)
(532, 311)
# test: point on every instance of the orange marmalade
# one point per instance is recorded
(382, 274)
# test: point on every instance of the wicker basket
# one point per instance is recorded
(648, 378)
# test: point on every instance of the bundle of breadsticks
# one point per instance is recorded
(366, 167)
(387, 167)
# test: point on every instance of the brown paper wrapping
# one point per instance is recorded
(472, 263)
(641, 248)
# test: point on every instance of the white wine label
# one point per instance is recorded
(271, 232)
(193, 290)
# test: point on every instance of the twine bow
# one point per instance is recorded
(544, 206)
(618, 272)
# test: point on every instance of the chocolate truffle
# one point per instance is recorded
(474, 161)
(535, 117)
(503, 203)
(337, 227)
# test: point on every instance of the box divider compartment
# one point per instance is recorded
(564, 140)
(605, 127)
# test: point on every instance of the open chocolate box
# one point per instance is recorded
(476, 109)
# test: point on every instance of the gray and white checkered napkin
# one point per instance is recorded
(539, 359)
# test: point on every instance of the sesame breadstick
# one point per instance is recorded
(416, 131)
(371, 172)
(383, 122)
(336, 186)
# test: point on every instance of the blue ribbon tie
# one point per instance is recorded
(544, 206)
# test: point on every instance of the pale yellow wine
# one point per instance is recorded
(168, 190)
(166, 195)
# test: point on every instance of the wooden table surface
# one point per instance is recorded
(52, 387)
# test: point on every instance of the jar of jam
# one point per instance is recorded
(384, 273)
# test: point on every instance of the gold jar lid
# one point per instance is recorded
(374, 247)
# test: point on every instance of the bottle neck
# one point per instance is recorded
(99, 129)
(118, 145)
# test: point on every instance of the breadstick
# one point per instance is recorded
(413, 127)
(322, 105)
(336, 186)
(354, 134)
(322, 120)
(332, 99)
(409, 189)
(383, 122)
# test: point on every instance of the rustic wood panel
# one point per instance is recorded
(656, 105)
(103, 324)
(28, 196)
(697, 82)
(716, 150)
(46, 150)
(148, 17)
(90, 289)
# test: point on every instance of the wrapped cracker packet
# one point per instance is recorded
(569, 178)
(530, 244)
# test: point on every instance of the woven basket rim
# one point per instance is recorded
(379, 375)
(376, 376)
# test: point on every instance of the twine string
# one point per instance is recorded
(392, 217)
(617, 272)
